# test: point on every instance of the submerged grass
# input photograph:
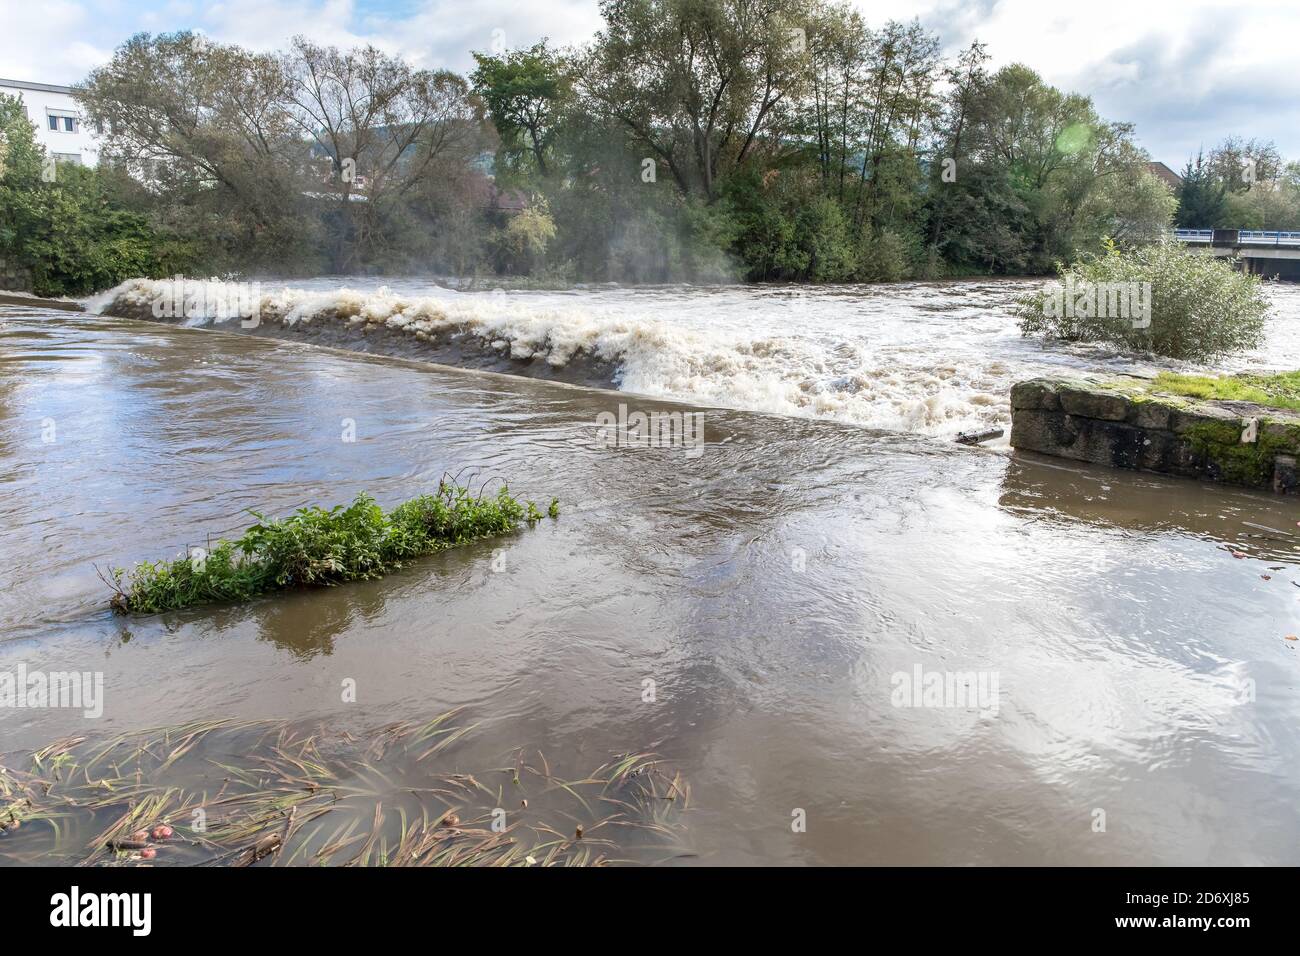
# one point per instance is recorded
(315, 546)
(1281, 390)
(222, 793)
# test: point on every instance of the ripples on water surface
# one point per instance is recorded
(770, 587)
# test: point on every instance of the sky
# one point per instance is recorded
(1187, 72)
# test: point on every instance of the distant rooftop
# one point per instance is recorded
(38, 87)
(1163, 172)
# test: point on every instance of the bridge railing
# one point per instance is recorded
(1254, 237)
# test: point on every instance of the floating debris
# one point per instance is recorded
(303, 795)
(978, 437)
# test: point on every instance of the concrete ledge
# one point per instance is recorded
(36, 302)
(1124, 423)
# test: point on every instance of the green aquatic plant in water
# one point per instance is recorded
(315, 546)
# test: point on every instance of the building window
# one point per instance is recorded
(74, 158)
(62, 121)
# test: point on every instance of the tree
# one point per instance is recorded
(967, 79)
(900, 98)
(1270, 205)
(1046, 175)
(526, 236)
(21, 157)
(206, 127)
(775, 139)
(1134, 206)
(270, 152)
(1241, 164)
(64, 222)
(699, 84)
(1202, 197)
(526, 93)
(377, 121)
(838, 46)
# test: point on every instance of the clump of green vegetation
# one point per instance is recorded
(315, 546)
(1191, 306)
(1280, 391)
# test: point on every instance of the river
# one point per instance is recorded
(771, 589)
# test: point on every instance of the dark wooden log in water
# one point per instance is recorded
(976, 438)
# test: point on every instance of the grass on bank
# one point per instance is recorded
(315, 546)
(1280, 391)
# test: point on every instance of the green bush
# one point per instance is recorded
(821, 233)
(783, 230)
(66, 225)
(884, 257)
(1199, 308)
(78, 241)
(315, 546)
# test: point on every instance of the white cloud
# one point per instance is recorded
(1185, 71)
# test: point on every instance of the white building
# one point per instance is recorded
(58, 121)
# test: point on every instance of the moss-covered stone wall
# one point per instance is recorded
(1129, 423)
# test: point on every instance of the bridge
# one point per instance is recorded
(1265, 253)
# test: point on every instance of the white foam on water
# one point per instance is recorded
(932, 358)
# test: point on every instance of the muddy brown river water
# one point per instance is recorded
(750, 613)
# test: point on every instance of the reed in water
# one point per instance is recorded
(274, 793)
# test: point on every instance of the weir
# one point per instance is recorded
(35, 302)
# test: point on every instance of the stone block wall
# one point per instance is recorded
(1117, 422)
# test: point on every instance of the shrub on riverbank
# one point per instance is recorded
(66, 223)
(315, 546)
(1176, 302)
